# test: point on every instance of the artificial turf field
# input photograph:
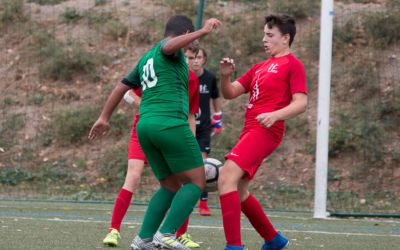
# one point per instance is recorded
(65, 225)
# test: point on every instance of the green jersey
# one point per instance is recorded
(164, 83)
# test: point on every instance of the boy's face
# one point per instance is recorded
(190, 58)
(199, 61)
(274, 41)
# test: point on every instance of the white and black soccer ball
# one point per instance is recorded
(212, 167)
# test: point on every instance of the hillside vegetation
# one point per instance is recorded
(61, 58)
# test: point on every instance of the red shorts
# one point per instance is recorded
(135, 150)
(253, 147)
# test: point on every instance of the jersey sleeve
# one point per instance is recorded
(132, 79)
(194, 93)
(246, 79)
(214, 88)
(297, 78)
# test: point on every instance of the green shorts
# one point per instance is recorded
(170, 147)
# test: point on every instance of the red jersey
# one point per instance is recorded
(194, 93)
(138, 92)
(271, 84)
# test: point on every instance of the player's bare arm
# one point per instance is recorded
(176, 43)
(230, 90)
(101, 126)
(296, 107)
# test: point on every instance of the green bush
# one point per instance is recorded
(148, 31)
(382, 29)
(73, 126)
(298, 125)
(113, 165)
(100, 2)
(14, 176)
(363, 135)
(9, 126)
(8, 101)
(46, 2)
(35, 98)
(364, 78)
(393, 5)
(341, 138)
(11, 11)
(311, 42)
(97, 18)
(182, 7)
(115, 29)
(70, 15)
(343, 35)
(60, 61)
(298, 9)
(389, 111)
(74, 60)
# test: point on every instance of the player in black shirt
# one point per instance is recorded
(206, 126)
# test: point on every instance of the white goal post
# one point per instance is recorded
(324, 86)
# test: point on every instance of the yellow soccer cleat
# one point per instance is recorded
(112, 238)
(186, 240)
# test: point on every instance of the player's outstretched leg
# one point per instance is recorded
(278, 243)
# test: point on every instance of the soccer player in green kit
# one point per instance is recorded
(164, 133)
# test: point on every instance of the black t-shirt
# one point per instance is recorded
(208, 90)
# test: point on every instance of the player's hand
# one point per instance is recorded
(227, 66)
(267, 119)
(211, 24)
(99, 128)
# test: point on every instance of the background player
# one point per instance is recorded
(278, 92)
(204, 125)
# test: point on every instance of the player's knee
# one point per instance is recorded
(201, 183)
(244, 194)
(225, 182)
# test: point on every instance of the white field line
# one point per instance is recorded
(141, 208)
(205, 227)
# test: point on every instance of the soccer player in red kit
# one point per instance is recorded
(136, 162)
(277, 88)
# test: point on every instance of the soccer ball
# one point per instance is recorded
(212, 167)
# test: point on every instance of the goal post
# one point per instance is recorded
(324, 85)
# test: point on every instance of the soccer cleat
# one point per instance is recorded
(203, 208)
(139, 244)
(277, 243)
(168, 242)
(186, 240)
(231, 247)
(112, 238)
